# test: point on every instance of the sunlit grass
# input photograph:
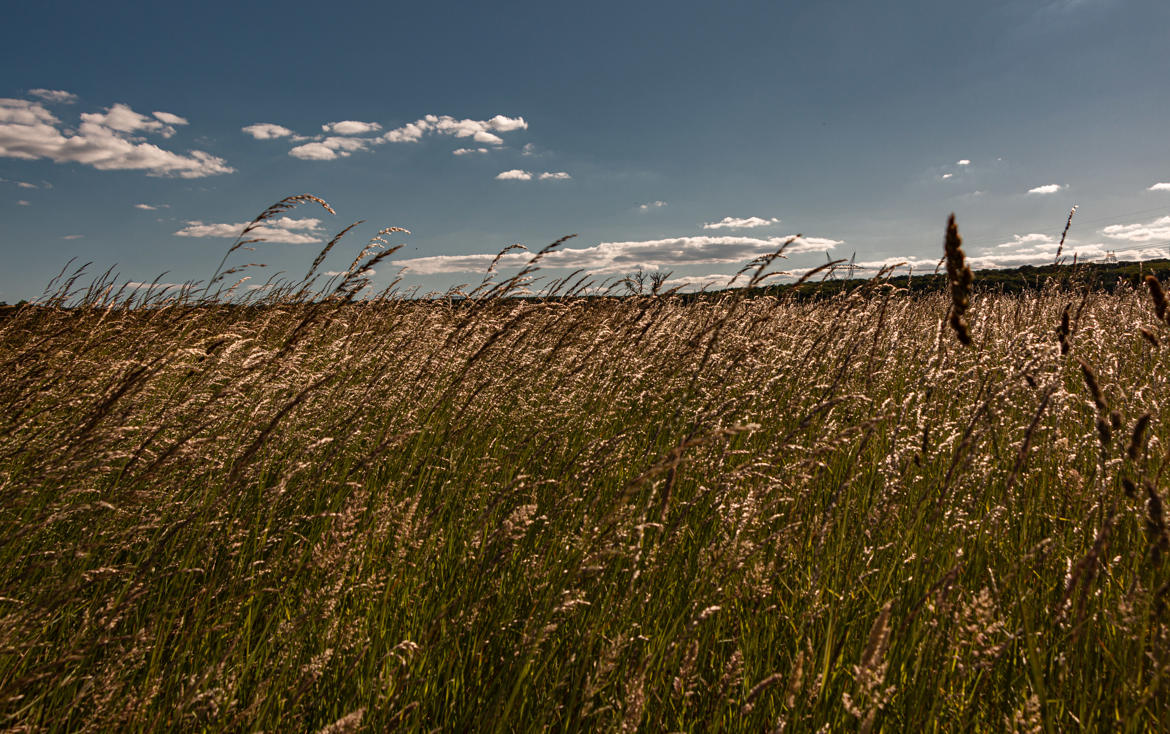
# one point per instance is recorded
(584, 513)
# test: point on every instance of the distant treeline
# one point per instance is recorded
(1024, 279)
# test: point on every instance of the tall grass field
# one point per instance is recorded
(308, 509)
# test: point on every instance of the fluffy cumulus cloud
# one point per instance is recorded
(1037, 248)
(108, 141)
(54, 96)
(1159, 229)
(1160, 187)
(329, 149)
(481, 131)
(282, 229)
(514, 175)
(962, 162)
(267, 131)
(1046, 189)
(343, 138)
(621, 257)
(746, 223)
(557, 176)
(351, 127)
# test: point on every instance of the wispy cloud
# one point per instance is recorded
(26, 185)
(351, 127)
(945, 176)
(468, 151)
(962, 162)
(747, 223)
(54, 96)
(107, 141)
(652, 205)
(24, 202)
(518, 174)
(514, 175)
(1046, 189)
(267, 131)
(282, 229)
(72, 236)
(152, 207)
(620, 257)
(1159, 187)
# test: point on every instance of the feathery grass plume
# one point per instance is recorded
(1158, 295)
(1062, 331)
(1067, 224)
(1137, 439)
(960, 278)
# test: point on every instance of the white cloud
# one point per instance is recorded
(72, 236)
(314, 152)
(1037, 248)
(1159, 229)
(748, 223)
(54, 96)
(26, 185)
(152, 207)
(481, 131)
(652, 205)
(23, 202)
(620, 257)
(514, 175)
(351, 127)
(945, 176)
(507, 124)
(106, 141)
(528, 149)
(282, 229)
(125, 120)
(467, 151)
(267, 131)
(558, 176)
(1159, 187)
(170, 119)
(330, 149)
(1046, 189)
(963, 162)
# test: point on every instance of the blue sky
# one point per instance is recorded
(682, 136)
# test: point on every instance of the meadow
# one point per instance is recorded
(314, 510)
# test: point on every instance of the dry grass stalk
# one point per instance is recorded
(960, 279)
(1159, 297)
